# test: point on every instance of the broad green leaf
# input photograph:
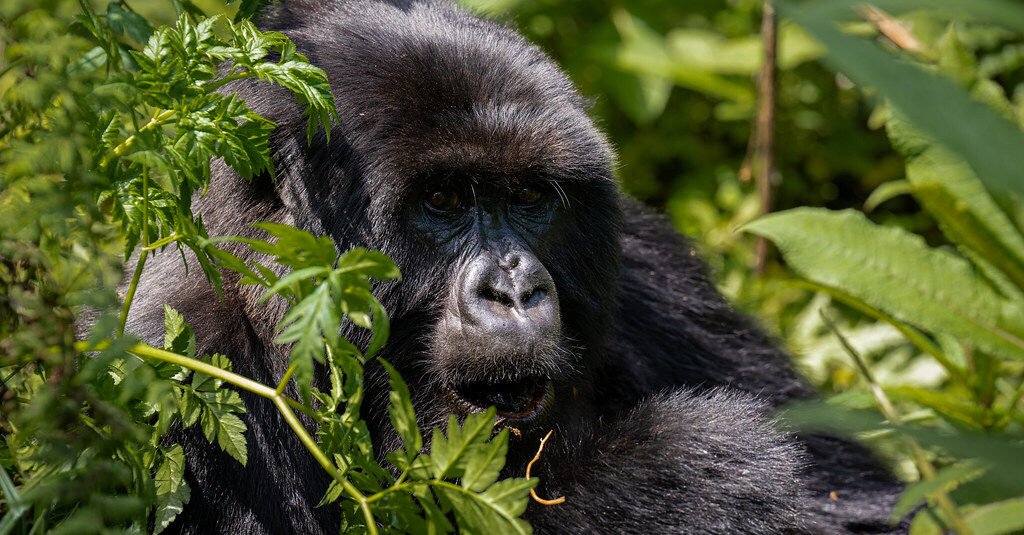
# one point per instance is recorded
(402, 415)
(172, 491)
(949, 190)
(1001, 454)
(997, 518)
(944, 481)
(932, 103)
(896, 272)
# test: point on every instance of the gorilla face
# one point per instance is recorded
(467, 156)
(516, 310)
(500, 330)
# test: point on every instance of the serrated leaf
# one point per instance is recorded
(485, 463)
(307, 324)
(896, 272)
(220, 423)
(449, 454)
(495, 510)
(403, 417)
(172, 491)
(949, 190)
(231, 437)
(178, 335)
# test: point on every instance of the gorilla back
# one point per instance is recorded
(530, 284)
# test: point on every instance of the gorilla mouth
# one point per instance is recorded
(518, 402)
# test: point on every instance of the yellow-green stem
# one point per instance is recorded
(283, 403)
(325, 463)
(130, 294)
(284, 380)
(157, 120)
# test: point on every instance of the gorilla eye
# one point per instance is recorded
(443, 199)
(526, 195)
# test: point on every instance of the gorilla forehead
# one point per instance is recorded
(440, 88)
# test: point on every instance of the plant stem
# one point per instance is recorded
(283, 403)
(157, 120)
(130, 294)
(217, 84)
(161, 242)
(284, 380)
(945, 503)
(765, 140)
(318, 454)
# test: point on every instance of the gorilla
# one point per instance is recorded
(530, 284)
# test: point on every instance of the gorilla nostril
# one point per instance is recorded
(533, 297)
(488, 293)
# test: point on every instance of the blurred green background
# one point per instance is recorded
(674, 87)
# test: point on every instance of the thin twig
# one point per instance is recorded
(764, 151)
(533, 493)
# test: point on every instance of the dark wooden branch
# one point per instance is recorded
(764, 145)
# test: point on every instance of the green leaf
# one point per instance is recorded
(172, 491)
(208, 383)
(894, 271)
(495, 510)
(307, 324)
(932, 103)
(449, 454)
(945, 481)
(220, 422)
(949, 190)
(402, 414)
(369, 264)
(178, 335)
(131, 23)
(1006, 516)
(484, 464)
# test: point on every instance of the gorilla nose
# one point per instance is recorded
(513, 298)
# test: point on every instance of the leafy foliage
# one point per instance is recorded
(110, 123)
(959, 303)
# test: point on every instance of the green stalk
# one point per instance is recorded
(283, 403)
(130, 294)
(925, 466)
(156, 121)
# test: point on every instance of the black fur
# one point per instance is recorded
(654, 380)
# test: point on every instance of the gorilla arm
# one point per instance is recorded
(710, 462)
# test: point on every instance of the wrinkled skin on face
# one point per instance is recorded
(530, 283)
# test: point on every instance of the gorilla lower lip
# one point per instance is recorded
(519, 401)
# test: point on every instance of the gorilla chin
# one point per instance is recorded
(531, 283)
